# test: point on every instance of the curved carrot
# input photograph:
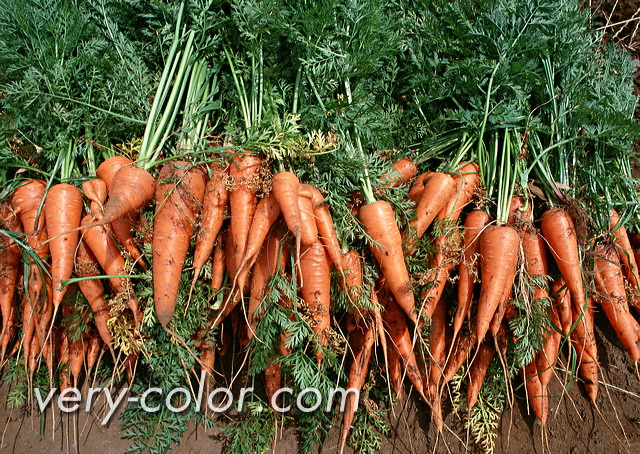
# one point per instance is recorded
(379, 221)
(93, 291)
(96, 191)
(308, 227)
(179, 194)
(326, 228)
(499, 246)
(63, 212)
(216, 198)
(474, 222)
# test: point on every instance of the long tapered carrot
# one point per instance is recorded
(499, 246)
(609, 281)
(9, 271)
(285, 189)
(63, 212)
(179, 194)
(438, 344)
(218, 265)
(538, 401)
(559, 232)
(395, 323)
(379, 221)
(216, 198)
(478, 371)
(244, 171)
(562, 300)
(547, 357)
(583, 341)
(474, 222)
(93, 291)
(326, 228)
(108, 255)
(361, 341)
(627, 258)
(316, 292)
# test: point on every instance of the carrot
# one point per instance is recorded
(474, 222)
(108, 255)
(285, 189)
(504, 307)
(26, 201)
(94, 348)
(122, 229)
(352, 283)
(326, 228)
(465, 185)
(93, 291)
(109, 167)
(562, 300)
(627, 258)
(258, 290)
(402, 171)
(218, 266)
(395, 324)
(417, 188)
(9, 272)
(459, 354)
(438, 190)
(267, 212)
(308, 227)
(380, 224)
(478, 371)
(316, 292)
(178, 203)
(437, 344)
(583, 341)
(395, 372)
(215, 201)
(499, 246)
(130, 190)
(609, 281)
(560, 234)
(546, 358)
(538, 401)
(361, 342)
(244, 171)
(96, 191)
(63, 212)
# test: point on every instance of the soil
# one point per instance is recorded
(574, 425)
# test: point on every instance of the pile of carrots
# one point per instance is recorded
(250, 235)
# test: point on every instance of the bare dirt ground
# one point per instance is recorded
(574, 425)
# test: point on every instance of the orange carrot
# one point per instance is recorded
(468, 268)
(108, 255)
(499, 246)
(361, 342)
(352, 284)
(109, 167)
(609, 281)
(395, 372)
(379, 221)
(560, 234)
(315, 291)
(417, 188)
(93, 291)
(627, 258)
(94, 348)
(62, 211)
(478, 371)
(285, 189)
(438, 191)
(244, 171)
(402, 171)
(258, 290)
(562, 300)
(122, 229)
(308, 227)
(395, 324)
(465, 185)
(459, 354)
(583, 341)
(326, 229)
(96, 191)
(215, 201)
(538, 401)
(179, 194)
(218, 266)
(9, 271)
(437, 344)
(546, 358)
(64, 358)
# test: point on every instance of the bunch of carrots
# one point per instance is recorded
(69, 238)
